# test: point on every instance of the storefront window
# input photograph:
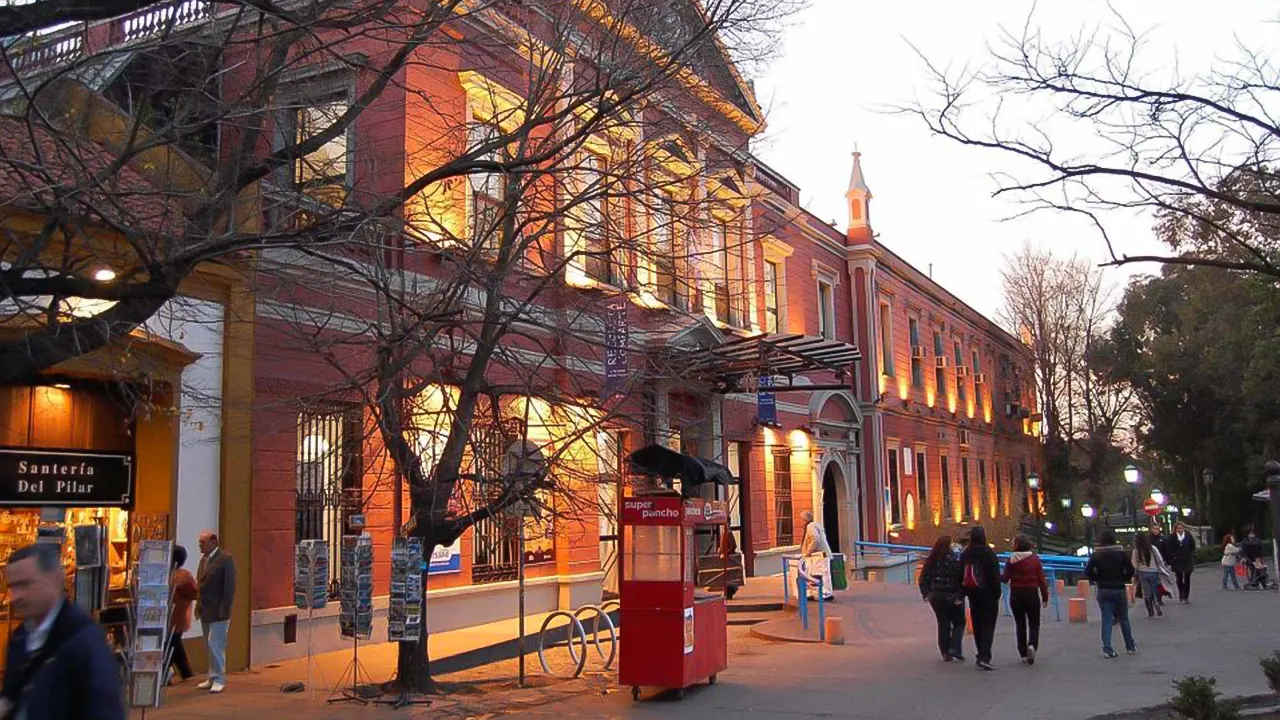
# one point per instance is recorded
(328, 475)
(653, 553)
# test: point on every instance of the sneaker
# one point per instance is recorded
(1159, 611)
(1131, 651)
(958, 658)
(985, 665)
(1109, 654)
(1031, 655)
(217, 687)
(946, 657)
(205, 685)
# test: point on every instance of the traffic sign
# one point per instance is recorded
(1151, 507)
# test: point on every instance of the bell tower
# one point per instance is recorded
(859, 198)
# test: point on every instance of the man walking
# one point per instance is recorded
(58, 665)
(1182, 558)
(216, 577)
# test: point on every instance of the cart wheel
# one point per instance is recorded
(711, 680)
(635, 693)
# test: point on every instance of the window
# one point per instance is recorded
(826, 310)
(922, 481)
(895, 494)
(595, 252)
(737, 263)
(487, 194)
(328, 474)
(783, 528)
(939, 372)
(964, 486)
(322, 174)
(984, 498)
(1000, 506)
(886, 339)
(977, 363)
(944, 467)
(772, 295)
(715, 288)
(664, 249)
(962, 397)
(917, 366)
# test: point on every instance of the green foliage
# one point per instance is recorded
(1271, 668)
(1200, 348)
(1198, 699)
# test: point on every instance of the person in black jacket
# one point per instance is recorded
(981, 581)
(1111, 569)
(1182, 558)
(940, 586)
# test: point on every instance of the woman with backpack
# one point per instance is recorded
(981, 581)
(940, 586)
(1028, 592)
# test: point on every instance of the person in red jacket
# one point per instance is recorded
(1028, 592)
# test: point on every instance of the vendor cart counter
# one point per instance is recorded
(678, 633)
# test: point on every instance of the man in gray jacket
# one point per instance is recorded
(216, 577)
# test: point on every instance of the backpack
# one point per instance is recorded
(972, 577)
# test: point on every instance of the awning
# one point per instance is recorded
(735, 364)
(667, 464)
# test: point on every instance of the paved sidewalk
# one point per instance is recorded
(891, 672)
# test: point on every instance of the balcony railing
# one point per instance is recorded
(48, 51)
(161, 19)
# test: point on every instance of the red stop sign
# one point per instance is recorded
(1151, 507)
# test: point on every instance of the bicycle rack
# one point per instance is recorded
(578, 633)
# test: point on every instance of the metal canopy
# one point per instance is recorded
(734, 365)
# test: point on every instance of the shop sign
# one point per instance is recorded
(616, 342)
(33, 478)
(766, 402)
(446, 559)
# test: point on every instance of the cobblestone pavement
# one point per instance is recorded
(889, 670)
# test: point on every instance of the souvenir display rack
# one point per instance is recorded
(148, 648)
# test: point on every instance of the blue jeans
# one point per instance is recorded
(1114, 603)
(1229, 573)
(215, 637)
(1150, 580)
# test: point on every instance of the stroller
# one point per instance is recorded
(1258, 577)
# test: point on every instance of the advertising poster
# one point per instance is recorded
(446, 559)
(688, 630)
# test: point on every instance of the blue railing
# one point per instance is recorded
(1053, 566)
(803, 582)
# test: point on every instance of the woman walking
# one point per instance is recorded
(981, 581)
(1110, 569)
(1028, 592)
(1230, 558)
(940, 586)
(184, 593)
(1150, 567)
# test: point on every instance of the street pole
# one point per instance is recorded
(1133, 508)
(1273, 485)
(520, 630)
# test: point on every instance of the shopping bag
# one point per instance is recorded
(839, 576)
(1242, 571)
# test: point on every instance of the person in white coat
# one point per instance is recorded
(816, 553)
(1230, 558)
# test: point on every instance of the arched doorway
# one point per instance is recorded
(832, 482)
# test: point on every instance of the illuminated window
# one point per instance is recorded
(886, 339)
(771, 296)
(784, 529)
(323, 173)
(487, 194)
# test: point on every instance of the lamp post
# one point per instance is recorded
(1033, 485)
(1087, 511)
(1066, 514)
(1207, 475)
(1171, 512)
(1133, 477)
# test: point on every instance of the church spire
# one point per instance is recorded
(859, 198)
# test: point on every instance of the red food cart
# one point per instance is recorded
(678, 631)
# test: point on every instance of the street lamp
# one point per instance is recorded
(1186, 512)
(1133, 477)
(1066, 514)
(1171, 515)
(1033, 484)
(1158, 496)
(1208, 500)
(1087, 511)
(1273, 488)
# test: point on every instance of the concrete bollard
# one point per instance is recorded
(1082, 588)
(1060, 587)
(1078, 610)
(873, 576)
(834, 626)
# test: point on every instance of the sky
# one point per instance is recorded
(845, 62)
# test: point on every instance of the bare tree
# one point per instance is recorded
(1092, 128)
(1063, 308)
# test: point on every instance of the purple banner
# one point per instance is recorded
(616, 341)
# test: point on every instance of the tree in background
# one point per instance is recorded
(1108, 135)
(1199, 346)
(1062, 308)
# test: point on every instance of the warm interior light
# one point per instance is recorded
(62, 386)
(930, 397)
(911, 512)
(104, 275)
